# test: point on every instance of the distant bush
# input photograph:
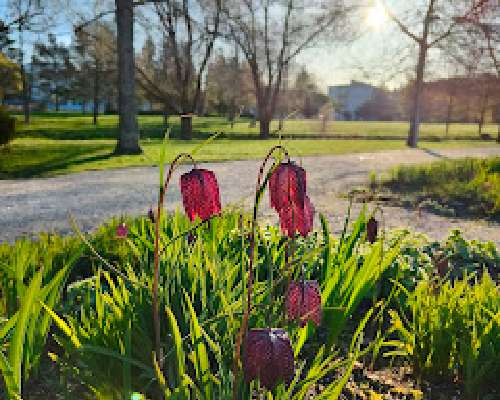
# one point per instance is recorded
(7, 127)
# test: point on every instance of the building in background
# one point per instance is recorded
(348, 99)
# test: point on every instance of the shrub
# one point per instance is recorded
(7, 127)
(450, 333)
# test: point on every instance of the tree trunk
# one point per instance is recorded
(26, 95)
(449, 113)
(57, 102)
(264, 123)
(95, 109)
(165, 116)
(497, 120)
(128, 135)
(482, 114)
(186, 126)
(419, 86)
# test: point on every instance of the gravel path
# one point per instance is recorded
(34, 205)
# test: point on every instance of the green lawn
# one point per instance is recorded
(78, 126)
(46, 157)
(61, 143)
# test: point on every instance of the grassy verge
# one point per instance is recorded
(28, 157)
(461, 187)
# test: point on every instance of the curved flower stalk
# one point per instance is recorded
(288, 193)
(259, 189)
(268, 355)
(200, 195)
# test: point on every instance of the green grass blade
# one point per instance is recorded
(16, 350)
(63, 326)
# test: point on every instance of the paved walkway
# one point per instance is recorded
(33, 205)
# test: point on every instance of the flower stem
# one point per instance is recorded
(163, 191)
(246, 314)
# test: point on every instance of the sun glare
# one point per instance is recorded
(376, 17)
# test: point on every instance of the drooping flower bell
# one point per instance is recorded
(287, 186)
(372, 230)
(121, 231)
(268, 356)
(200, 194)
(294, 218)
(303, 302)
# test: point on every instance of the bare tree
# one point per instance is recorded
(478, 50)
(271, 33)
(189, 29)
(481, 24)
(427, 23)
(223, 98)
(26, 15)
(96, 57)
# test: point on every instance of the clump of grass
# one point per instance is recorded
(450, 332)
(469, 187)
(373, 180)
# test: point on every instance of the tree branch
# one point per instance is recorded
(400, 24)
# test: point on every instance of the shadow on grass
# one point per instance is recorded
(42, 163)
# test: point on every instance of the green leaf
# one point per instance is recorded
(177, 339)
(16, 346)
(8, 377)
(202, 365)
(63, 326)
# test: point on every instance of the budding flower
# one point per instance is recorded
(287, 186)
(303, 302)
(268, 357)
(121, 231)
(151, 215)
(294, 218)
(372, 230)
(200, 194)
(442, 264)
(191, 238)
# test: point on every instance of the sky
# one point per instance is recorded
(379, 53)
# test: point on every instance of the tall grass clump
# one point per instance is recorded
(450, 333)
(29, 274)
(469, 186)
